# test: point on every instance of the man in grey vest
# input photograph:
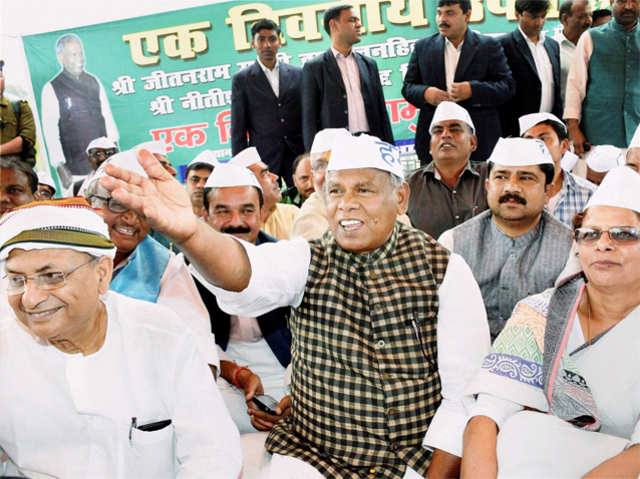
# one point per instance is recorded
(515, 249)
(75, 109)
(387, 325)
(603, 87)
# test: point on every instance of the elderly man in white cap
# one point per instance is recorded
(558, 394)
(516, 248)
(143, 268)
(196, 176)
(159, 150)
(633, 153)
(95, 384)
(311, 221)
(568, 193)
(277, 218)
(98, 151)
(387, 325)
(46, 186)
(601, 159)
(255, 351)
(450, 189)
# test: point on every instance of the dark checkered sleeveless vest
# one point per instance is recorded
(365, 381)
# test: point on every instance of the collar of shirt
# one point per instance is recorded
(377, 255)
(529, 42)
(276, 67)
(449, 45)
(431, 168)
(336, 53)
(563, 40)
(519, 241)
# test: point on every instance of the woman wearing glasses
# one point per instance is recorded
(569, 352)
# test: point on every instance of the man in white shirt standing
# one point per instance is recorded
(387, 328)
(534, 60)
(265, 104)
(575, 16)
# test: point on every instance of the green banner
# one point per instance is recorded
(168, 76)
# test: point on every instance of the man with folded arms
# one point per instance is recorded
(387, 325)
(516, 248)
(107, 386)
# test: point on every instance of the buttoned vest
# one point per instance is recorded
(81, 119)
(365, 381)
(611, 108)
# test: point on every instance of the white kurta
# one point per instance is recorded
(462, 333)
(69, 415)
(178, 292)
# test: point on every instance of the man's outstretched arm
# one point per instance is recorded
(165, 204)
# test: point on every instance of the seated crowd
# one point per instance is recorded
(471, 318)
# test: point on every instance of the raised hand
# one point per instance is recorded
(160, 199)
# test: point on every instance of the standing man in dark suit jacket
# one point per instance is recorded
(265, 104)
(535, 64)
(341, 88)
(458, 65)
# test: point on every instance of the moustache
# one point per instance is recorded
(232, 230)
(444, 25)
(510, 196)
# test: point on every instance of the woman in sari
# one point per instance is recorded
(570, 352)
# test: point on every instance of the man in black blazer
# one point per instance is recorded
(458, 65)
(265, 104)
(341, 88)
(535, 64)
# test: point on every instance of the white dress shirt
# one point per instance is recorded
(273, 76)
(567, 49)
(355, 103)
(69, 415)
(178, 291)
(451, 58)
(462, 332)
(51, 117)
(577, 78)
(544, 68)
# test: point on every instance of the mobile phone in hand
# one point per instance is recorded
(266, 404)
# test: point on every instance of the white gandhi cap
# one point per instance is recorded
(228, 176)
(520, 152)
(529, 121)
(364, 151)
(619, 188)
(448, 110)
(324, 139)
(102, 142)
(153, 147)
(207, 157)
(246, 158)
(604, 158)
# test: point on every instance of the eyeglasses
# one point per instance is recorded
(113, 205)
(16, 284)
(45, 194)
(102, 154)
(618, 234)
